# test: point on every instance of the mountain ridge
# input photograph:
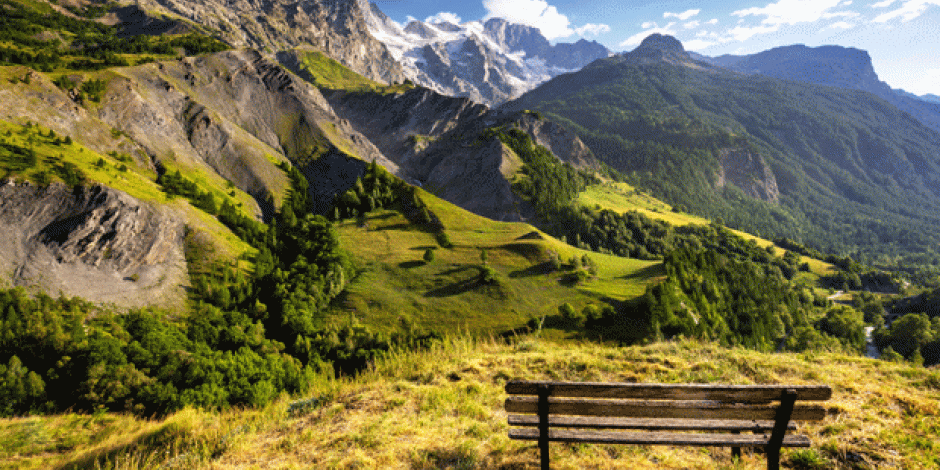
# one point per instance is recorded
(836, 66)
(644, 108)
(488, 62)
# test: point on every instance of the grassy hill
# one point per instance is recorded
(396, 283)
(443, 408)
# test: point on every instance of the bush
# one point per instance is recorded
(571, 317)
(443, 239)
(428, 255)
(488, 275)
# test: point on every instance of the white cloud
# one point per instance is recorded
(791, 11)
(841, 14)
(909, 10)
(698, 44)
(712, 21)
(648, 25)
(691, 24)
(637, 38)
(592, 29)
(841, 25)
(884, 4)
(536, 13)
(682, 16)
(743, 33)
(443, 17)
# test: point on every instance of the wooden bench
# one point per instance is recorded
(663, 414)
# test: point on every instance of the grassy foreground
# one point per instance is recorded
(443, 408)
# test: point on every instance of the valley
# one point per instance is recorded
(275, 235)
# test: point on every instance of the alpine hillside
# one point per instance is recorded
(275, 234)
(841, 168)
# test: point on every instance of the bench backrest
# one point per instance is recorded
(680, 401)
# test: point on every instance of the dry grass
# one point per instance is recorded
(443, 408)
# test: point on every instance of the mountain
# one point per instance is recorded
(335, 27)
(487, 62)
(931, 98)
(836, 66)
(842, 169)
(438, 141)
(225, 121)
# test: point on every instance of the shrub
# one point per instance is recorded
(443, 239)
(488, 275)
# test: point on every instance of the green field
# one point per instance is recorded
(327, 73)
(396, 283)
(621, 197)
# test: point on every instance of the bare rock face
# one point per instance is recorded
(93, 242)
(335, 27)
(562, 143)
(231, 113)
(749, 172)
(438, 142)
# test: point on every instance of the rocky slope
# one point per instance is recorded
(489, 62)
(335, 27)
(437, 142)
(226, 120)
(93, 242)
(835, 66)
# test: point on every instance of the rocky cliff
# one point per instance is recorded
(335, 27)
(93, 242)
(437, 142)
(835, 66)
(749, 172)
(657, 48)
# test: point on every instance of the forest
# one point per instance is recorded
(246, 338)
(90, 45)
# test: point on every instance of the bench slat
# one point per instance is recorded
(649, 424)
(732, 393)
(658, 438)
(661, 409)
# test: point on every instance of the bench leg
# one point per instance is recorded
(544, 392)
(773, 459)
(787, 400)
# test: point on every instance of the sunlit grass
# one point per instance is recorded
(443, 408)
(396, 283)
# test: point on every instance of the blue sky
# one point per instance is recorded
(902, 36)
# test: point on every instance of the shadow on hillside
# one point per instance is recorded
(383, 216)
(401, 226)
(626, 324)
(411, 264)
(534, 270)
(423, 247)
(647, 272)
(458, 287)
